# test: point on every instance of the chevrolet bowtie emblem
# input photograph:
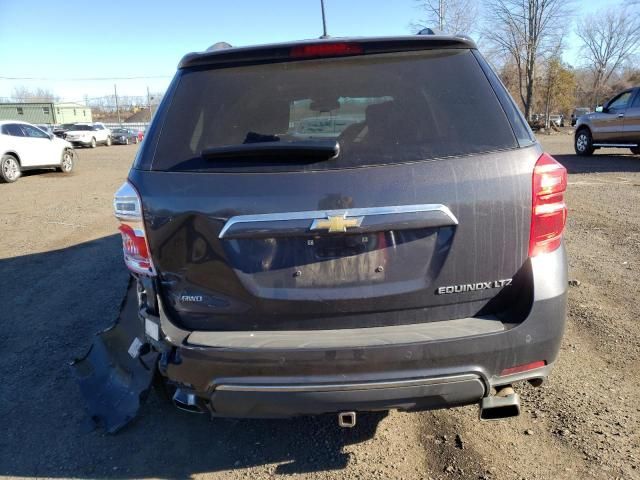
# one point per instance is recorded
(336, 224)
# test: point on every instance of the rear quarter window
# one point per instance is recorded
(381, 109)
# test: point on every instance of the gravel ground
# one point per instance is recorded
(62, 279)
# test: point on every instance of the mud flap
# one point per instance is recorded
(116, 373)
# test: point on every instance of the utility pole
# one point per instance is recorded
(324, 21)
(149, 102)
(441, 15)
(115, 91)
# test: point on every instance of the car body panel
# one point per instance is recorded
(632, 121)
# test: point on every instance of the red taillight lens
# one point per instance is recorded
(128, 209)
(132, 244)
(523, 368)
(325, 50)
(548, 212)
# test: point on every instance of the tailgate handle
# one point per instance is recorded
(352, 220)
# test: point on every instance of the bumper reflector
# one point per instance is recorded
(523, 368)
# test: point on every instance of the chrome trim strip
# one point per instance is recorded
(616, 145)
(347, 386)
(346, 213)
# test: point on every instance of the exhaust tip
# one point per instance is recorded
(186, 401)
(347, 419)
(505, 404)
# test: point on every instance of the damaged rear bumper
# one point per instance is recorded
(410, 367)
(116, 373)
(282, 374)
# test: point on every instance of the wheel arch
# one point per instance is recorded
(582, 127)
(14, 155)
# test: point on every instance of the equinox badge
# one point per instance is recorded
(336, 224)
(472, 287)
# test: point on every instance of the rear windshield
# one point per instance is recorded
(381, 109)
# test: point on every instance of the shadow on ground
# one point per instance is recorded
(52, 305)
(600, 163)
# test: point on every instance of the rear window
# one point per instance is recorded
(381, 109)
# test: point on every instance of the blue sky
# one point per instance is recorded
(55, 41)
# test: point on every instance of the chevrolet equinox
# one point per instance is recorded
(344, 225)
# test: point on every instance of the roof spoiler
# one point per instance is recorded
(223, 55)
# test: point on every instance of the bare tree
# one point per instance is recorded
(610, 38)
(448, 16)
(525, 31)
(24, 94)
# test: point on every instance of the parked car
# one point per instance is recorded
(24, 147)
(140, 135)
(60, 130)
(88, 135)
(413, 260)
(578, 112)
(557, 119)
(616, 124)
(124, 136)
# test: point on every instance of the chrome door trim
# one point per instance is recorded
(346, 213)
(616, 145)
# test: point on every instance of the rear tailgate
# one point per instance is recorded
(423, 216)
(318, 279)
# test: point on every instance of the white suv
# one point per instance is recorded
(24, 146)
(88, 134)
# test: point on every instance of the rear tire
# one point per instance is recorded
(135, 140)
(67, 163)
(635, 150)
(93, 143)
(583, 143)
(108, 142)
(9, 169)
(126, 141)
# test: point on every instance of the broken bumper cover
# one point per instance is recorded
(283, 374)
(115, 374)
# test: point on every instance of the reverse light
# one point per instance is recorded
(548, 210)
(325, 50)
(127, 208)
(523, 368)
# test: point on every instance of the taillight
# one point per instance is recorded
(128, 210)
(325, 50)
(548, 212)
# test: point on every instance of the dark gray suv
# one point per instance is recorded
(341, 225)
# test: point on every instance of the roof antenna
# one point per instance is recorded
(324, 21)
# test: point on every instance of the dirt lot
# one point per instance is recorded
(62, 279)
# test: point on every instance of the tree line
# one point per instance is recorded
(525, 40)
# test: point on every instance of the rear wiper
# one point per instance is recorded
(307, 149)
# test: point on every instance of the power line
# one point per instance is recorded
(86, 79)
